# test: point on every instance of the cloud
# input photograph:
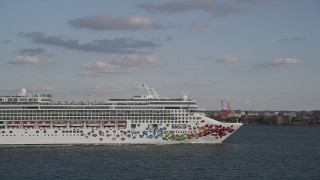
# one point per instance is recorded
(25, 60)
(5, 42)
(31, 56)
(32, 52)
(105, 21)
(281, 62)
(217, 7)
(227, 59)
(126, 64)
(294, 39)
(168, 38)
(88, 74)
(199, 25)
(118, 45)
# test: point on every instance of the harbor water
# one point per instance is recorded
(253, 152)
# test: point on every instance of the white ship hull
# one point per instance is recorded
(150, 119)
(205, 130)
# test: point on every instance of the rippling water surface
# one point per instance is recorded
(259, 152)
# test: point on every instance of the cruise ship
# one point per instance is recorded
(147, 119)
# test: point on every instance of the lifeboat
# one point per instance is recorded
(76, 124)
(93, 124)
(44, 123)
(59, 124)
(13, 123)
(109, 123)
(122, 123)
(28, 123)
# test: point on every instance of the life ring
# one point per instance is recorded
(113, 139)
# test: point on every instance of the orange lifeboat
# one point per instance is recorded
(122, 123)
(13, 123)
(44, 123)
(28, 123)
(76, 124)
(93, 124)
(109, 123)
(59, 124)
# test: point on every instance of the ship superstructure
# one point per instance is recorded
(148, 119)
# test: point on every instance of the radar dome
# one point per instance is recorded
(23, 91)
(185, 97)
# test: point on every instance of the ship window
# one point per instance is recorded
(3, 132)
(151, 126)
(179, 126)
(10, 131)
(37, 131)
(63, 131)
(56, 131)
(44, 131)
(133, 126)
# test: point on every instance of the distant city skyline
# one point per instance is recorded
(257, 54)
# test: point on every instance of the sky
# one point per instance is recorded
(256, 54)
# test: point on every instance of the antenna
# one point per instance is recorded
(148, 89)
(155, 92)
